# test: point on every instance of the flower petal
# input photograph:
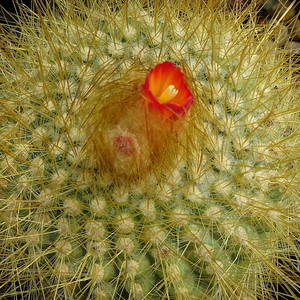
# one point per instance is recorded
(166, 92)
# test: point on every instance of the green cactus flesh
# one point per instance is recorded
(218, 220)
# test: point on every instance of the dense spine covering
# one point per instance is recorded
(206, 207)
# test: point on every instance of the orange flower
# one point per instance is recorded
(165, 91)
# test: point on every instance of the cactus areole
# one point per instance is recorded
(149, 150)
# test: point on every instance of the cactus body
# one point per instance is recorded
(100, 202)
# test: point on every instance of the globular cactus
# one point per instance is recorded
(149, 150)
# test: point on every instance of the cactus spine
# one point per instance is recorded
(99, 202)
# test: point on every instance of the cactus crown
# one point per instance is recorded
(103, 198)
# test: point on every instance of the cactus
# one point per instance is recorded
(105, 197)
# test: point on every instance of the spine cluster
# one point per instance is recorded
(99, 199)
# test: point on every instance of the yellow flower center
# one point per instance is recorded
(168, 94)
